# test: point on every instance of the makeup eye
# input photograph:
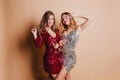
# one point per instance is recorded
(52, 18)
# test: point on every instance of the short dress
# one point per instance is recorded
(53, 59)
(69, 50)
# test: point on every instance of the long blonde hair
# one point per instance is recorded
(72, 24)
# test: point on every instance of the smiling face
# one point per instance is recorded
(50, 21)
(66, 19)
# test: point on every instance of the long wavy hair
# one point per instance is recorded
(44, 21)
(72, 24)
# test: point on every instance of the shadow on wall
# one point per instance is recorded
(36, 54)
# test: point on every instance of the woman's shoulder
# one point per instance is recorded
(42, 32)
(65, 33)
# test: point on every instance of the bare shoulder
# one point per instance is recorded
(65, 33)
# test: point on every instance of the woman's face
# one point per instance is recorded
(50, 20)
(66, 19)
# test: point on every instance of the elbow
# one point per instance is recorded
(90, 19)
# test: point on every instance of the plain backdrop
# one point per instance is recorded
(98, 48)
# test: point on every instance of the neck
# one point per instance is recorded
(69, 29)
(48, 27)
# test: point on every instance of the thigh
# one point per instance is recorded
(68, 76)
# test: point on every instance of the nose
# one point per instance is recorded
(50, 20)
(65, 20)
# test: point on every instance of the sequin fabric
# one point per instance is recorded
(69, 50)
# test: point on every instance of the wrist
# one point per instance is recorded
(35, 36)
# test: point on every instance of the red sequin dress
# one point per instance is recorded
(53, 59)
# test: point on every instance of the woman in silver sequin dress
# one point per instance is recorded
(70, 35)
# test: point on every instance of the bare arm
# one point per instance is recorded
(85, 23)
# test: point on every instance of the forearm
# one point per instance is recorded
(78, 16)
(35, 36)
(85, 23)
(83, 17)
(38, 40)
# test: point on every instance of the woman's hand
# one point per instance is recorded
(56, 45)
(34, 32)
(61, 42)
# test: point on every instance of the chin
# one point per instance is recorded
(50, 25)
(67, 24)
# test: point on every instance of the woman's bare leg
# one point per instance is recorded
(62, 74)
(68, 76)
(52, 76)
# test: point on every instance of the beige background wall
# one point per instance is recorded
(98, 48)
(3, 56)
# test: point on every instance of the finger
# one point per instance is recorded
(53, 44)
(32, 30)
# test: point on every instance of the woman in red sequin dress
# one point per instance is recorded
(53, 58)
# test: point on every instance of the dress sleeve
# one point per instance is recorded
(38, 40)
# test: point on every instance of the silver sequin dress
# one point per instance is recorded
(69, 50)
